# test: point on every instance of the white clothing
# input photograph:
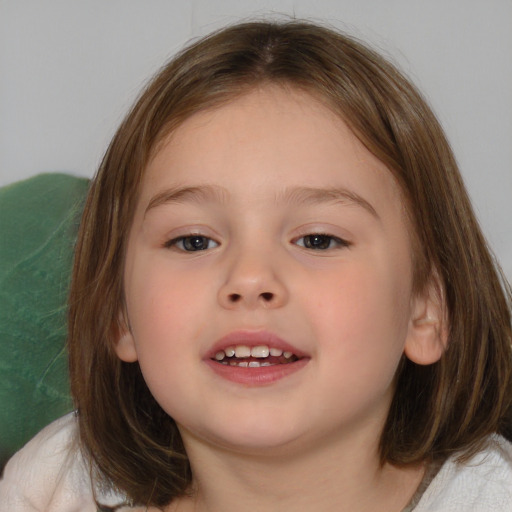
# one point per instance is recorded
(49, 475)
(483, 484)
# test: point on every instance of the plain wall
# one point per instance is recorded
(70, 69)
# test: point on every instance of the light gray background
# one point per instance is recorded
(69, 70)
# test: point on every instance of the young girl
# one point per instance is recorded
(281, 300)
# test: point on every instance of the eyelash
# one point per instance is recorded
(189, 240)
(312, 241)
(320, 239)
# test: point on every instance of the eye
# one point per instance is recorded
(321, 242)
(192, 243)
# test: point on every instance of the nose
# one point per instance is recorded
(253, 281)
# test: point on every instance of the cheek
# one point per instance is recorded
(164, 307)
(164, 312)
(363, 318)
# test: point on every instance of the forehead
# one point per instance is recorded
(269, 139)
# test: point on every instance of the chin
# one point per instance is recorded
(250, 437)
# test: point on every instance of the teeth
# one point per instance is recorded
(260, 351)
(244, 351)
(250, 364)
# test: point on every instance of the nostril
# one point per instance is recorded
(265, 299)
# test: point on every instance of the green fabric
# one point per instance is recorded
(38, 222)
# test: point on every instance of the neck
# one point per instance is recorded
(336, 476)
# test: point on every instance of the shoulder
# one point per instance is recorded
(482, 484)
(48, 474)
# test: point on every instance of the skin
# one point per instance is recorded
(308, 441)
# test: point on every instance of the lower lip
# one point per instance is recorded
(261, 376)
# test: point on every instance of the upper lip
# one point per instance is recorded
(253, 339)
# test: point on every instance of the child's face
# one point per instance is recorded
(267, 223)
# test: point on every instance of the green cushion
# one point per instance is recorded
(38, 223)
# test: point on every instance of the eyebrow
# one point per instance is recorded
(301, 196)
(197, 194)
(312, 195)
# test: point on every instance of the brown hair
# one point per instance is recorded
(437, 409)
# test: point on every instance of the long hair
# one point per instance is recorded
(438, 409)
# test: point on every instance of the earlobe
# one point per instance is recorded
(428, 330)
(124, 345)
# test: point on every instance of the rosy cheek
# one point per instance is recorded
(357, 304)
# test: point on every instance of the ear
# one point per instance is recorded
(427, 336)
(124, 346)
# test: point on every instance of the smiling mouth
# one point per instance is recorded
(243, 356)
